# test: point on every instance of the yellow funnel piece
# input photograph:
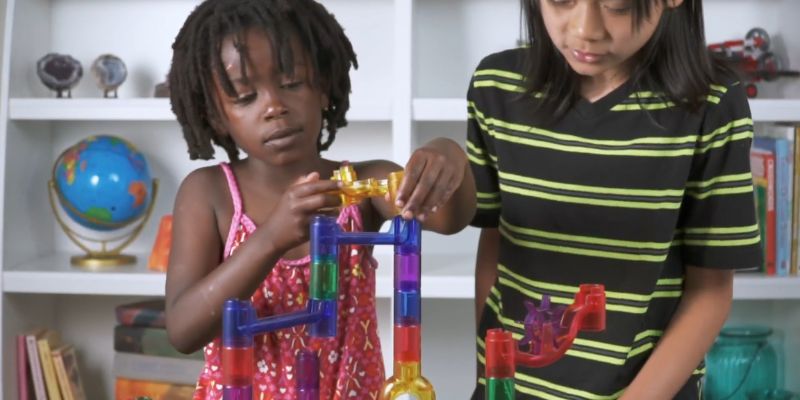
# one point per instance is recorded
(407, 384)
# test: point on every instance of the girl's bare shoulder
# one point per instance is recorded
(206, 185)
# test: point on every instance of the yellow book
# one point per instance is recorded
(61, 373)
(69, 376)
(48, 340)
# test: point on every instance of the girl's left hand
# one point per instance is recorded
(432, 175)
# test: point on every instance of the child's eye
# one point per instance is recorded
(561, 2)
(618, 7)
(619, 11)
(245, 98)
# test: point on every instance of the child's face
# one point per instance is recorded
(597, 37)
(273, 117)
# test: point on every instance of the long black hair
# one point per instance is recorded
(674, 61)
(196, 61)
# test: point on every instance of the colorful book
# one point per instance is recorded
(795, 203)
(130, 389)
(37, 375)
(68, 373)
(148, 313)
(159, 256)
(24, 388)
(147, 340)
(762, 163)
(46, 342)
(782, 146)
(158, 369)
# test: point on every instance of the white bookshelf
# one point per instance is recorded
(416, 59)
(147, 109)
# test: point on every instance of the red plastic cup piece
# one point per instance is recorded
(500, 350)
(406, 343)
(237, 366)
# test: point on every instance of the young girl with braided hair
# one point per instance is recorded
(263, 77)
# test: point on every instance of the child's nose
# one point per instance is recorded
(273, 106)
(586, 21)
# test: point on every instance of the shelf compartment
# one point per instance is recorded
(144, 109)
(447, 109)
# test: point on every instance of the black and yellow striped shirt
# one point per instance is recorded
(624, 191)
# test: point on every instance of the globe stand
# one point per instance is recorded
(106, 256)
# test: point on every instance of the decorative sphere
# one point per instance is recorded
(110, 72)
(59, 72)
(103, 182)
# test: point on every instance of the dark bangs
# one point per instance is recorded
(674, 61)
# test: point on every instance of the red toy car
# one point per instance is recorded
(753, 58)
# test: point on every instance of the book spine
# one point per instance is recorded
(783, 206)
(61, 375)
(141, 317)
(36, 368)
(144, 340)
(50, 380)
(133, 389)
(22, 369)
(155, 368)
(771, 239)
(796, 203)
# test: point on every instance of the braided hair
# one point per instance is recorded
(196, 61)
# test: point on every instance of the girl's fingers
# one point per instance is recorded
(313, 187)
(425, 185)
(439, 193)
(411, 175)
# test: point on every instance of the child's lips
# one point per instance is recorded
(587, 57)
(281, 136)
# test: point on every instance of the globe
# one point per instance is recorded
(103, 183)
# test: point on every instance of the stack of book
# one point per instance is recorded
(775, 162)
(47, 368)
(145, 363)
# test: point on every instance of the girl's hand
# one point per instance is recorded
(291, 218)
(432, 175)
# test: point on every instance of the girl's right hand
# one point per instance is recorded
(291, 218)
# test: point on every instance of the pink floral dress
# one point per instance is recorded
(351, 364)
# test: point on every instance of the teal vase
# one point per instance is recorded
(742, 360)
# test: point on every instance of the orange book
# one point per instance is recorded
(159, 256)
(131, 389)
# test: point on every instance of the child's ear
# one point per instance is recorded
(218, 126)
(324, 101)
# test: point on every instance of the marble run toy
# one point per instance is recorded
(549, 333)
(240, 322)
(754, 59)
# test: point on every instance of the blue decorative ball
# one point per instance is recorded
(103, 182)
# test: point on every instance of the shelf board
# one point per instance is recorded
(766, 110)
(143, 109)
(760, 287)
(53, 274)
(444, 276)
